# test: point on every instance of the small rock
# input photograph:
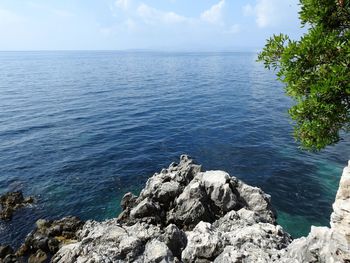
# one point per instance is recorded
(12, 201)
(203, 243)
(5, 250)
(48, 237)
(130, 247)
(167, 192)
(156, 252)
(128, 201)
(10, 259)
(175, 239)
(39, 257)
(146, 208)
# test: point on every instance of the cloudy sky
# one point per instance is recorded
(202, 25)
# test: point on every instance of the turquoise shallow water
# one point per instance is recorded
(79, 129)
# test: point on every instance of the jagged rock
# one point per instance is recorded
(128, 200)
(175, 239)
(157, 251)
(183, 215)
(12, 201)
(203, 244)
(186, 215)
(146, 209)
(109, 242)
(48, 237)
(340, 218)
(234, 237)
(167, 192)
(218, 188)
(256, 200)
(207, 197)
(191, 206)
(130, 247)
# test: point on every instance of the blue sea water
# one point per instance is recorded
(79, 129)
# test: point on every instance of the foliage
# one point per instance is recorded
(316, 71)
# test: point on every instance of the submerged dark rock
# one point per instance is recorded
(5, 250)
(12, 201)
(44, 241)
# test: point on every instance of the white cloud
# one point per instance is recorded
(152, 15)
(265, 13)
(142, 21)
(123, 4)
(272, 12)
(214, 14)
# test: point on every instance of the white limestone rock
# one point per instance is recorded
(185, 215)
(203, 244)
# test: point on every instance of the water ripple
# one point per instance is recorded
(79, 129)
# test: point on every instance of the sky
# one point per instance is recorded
(175, 25)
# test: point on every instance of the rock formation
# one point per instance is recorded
(186, 215)
(44, 241)
(12, 201)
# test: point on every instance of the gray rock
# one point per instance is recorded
(253, 198)
(167, 192)
(130, 247)
(109, 241)
(175, 239)
(191, 207)
(156, 252)
(203, 243)
(211, 206)
(186, 215)
(128, 201)
(146, 208)
(218, 188)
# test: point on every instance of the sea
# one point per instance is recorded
(79, 129)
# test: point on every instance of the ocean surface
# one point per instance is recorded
(80, 129)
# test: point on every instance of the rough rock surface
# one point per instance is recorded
(49, 236)
(12, 201)
(44, 241)
(184, 215)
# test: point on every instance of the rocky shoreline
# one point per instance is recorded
(12, 201)
(184, 214)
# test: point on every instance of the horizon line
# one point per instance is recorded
(136, 50)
